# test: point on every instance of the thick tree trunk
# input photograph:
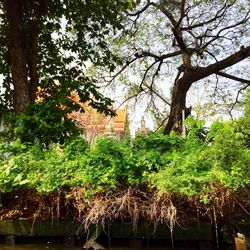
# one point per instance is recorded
(178, 104)
(182, 86)
(32, 59)
(17, 50)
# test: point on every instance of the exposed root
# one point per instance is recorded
(130, 205)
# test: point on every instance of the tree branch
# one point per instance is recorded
(237, 100)
(165, 12)
(220, 13)
(182, 14)
(157, 94)
(200, 73)
(247, 17)
(162, 57)
(235, 78)
(146, 72)
(141, 10)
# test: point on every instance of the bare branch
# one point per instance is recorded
(156, 73)
(246, 18)
(123, 68)
(216, 85)
(161, 57)
(235, 78)
(141, 10)
(182, 14)
(129, 98)
(220, 13)
(146, 54)
(182, 8)
(237, 99)
(212, 55)
(162, 123)
(165, 12)
(157, 94)
(176, 29)
(200, 73)
(146, 72)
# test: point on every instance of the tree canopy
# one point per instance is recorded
(47, 44)
(174, 44)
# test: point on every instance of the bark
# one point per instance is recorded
(17, 50)
(182, 86)
(32, 59)
(177, 105)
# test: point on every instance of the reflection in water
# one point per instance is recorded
(62, 247)
(38, 247)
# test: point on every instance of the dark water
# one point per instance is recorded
(62, 247)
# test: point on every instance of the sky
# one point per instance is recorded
(197, 94)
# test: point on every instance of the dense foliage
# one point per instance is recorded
(194, 166)
(244, 121)
(44, 122)
(47, 45)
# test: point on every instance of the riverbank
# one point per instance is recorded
(117, 234)
(68, 234)
(155, 180)
(127, 214)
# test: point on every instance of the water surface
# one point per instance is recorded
(62, 247)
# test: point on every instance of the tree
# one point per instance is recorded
(196, 39)
(47, 44)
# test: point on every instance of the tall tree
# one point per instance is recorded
(190, 41)
(45, 47)
(47, 43)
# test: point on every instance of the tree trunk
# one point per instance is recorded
(17, 50)
(192, 75)
(177, 105)
(32, 59)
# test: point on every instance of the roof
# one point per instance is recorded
(92, 120)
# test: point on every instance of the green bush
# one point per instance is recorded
(199, 166)
(45, 122)
(168, 163)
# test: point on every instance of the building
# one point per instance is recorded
(143, 129)
(97, 124)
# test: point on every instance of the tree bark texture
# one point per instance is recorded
(17, 51)
(178, 104)
(32, 59)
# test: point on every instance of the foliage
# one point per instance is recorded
(70, 34)
(196, 128)
(167, 163)
(159, 142)
(199, 166)
(60, 39)
(103, 167)
(45, 122)
(244, 122)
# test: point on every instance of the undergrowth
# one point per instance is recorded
(152, 178)
(166, 163)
